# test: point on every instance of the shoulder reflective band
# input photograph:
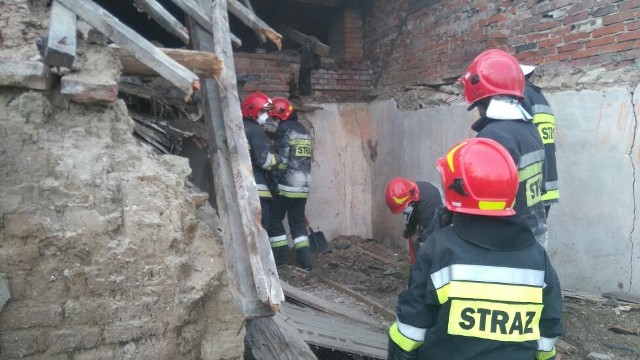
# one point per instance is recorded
(484, 273)
(491, 292)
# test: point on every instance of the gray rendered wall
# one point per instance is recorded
(592, 231)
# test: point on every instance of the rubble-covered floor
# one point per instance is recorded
(380, 271)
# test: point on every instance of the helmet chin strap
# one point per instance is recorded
(506, 108)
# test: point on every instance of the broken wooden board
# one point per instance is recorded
(332, 332)
(261, 37)
(323, 305)
(255, 23)
(622, 296)
(386, 313)
(302, 39)
(25, 74)
(135, 44)
(253, 278)
(61, 41)
(238, 159)
(87, 91)
(275, 338)
(196, 12)
(164, 18)
(202, 63)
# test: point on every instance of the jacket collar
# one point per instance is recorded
(494, 233)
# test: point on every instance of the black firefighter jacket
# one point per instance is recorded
(523, 142)
(424, 209)
(294, 150)
(481, 289)
(262, 159)
(538, 106)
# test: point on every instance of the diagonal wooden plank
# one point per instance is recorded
(386, 313)
(135, 44)
(302, 39)
(256, 240)
(164, 18)
(196, 12)
(323, 305)
(241, 281)
(61, 41)
(254, 22)
(328, 331)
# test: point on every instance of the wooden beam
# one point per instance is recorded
(164, 18)
(260, 256)
(261, 37)
(202, 63)
(276, 338)
(61, 41)
(243, 281)
(251, 20)
(386, 313)
(196, 12)
(302, 39)
(135, 44)
(323, 305)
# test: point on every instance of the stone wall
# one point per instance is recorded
(108, 251)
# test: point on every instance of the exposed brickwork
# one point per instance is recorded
(277, 71)
(413, 42)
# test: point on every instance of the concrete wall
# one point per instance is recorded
(592, 231)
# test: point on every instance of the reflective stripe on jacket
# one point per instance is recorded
(544, 119)
(523, 142)
(294, 149)
(481, 289)
(262, 159)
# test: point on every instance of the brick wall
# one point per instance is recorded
(431, 42)
(277, 70)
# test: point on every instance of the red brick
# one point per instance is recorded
(601, 41)
(569, 38)
(618, 17)
(570, 47)
(575, 17)
(614, 47)
(584, 53)
(630, 35)
(607, 30)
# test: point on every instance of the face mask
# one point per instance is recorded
(407, 213)
(262, 118)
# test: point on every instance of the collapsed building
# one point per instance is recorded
(129, 220)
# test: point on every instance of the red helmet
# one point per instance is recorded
(493, 72)
(399, 193)
(479, 177)
(282, 108)
(254, 103)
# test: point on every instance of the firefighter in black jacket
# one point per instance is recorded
(294, 149)
(537, 105)
(421, 205)
(483, 288)
(255, 112)
(494, 83)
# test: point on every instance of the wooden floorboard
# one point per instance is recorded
(336, 332)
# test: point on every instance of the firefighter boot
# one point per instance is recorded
(303, 257)
(281, 255)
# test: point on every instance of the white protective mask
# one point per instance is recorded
(262, 119)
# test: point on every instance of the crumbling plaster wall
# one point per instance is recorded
(109, 252)
(593, 231)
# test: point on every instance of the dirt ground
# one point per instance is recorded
(594, 329)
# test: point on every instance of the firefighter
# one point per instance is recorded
(537, 105)
(255, 112)
(294, 149)
(420, 202)
(494, 83)
(482, 288)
